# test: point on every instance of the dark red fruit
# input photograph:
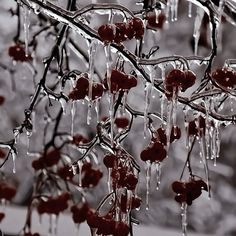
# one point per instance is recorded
(155, 152)
(110, 160)
(121, 122)
(225, 77)
(79, 212)
(154, 21)
(2, 153)
(137, 26)
(175, 133)
(186, 192)
(121, 30)
(79, 139)
(97, 90)
(107, 33)
(65, 172)
(17, 52)
(2, 100)
(2, 215)
(7, 192)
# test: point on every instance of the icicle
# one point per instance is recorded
(207, 131)
(162, 109)
(16, 134)
(204, 161)
(111, 114)
(167, 13)
(129, 201)
(80, 165)
(190, 8)
(172, 12)
(125, 97)
(74, 169)
(53, 222)
(89, 113)
(138, 45)
(147, 91)
(184, 218)
(158, 169)
(73, 110)
(109, 180)
(26, 29)
(197, 28)
(63, 104)
(97, 106)
(13, 155)
(176, 3)
(33, 121)
(174, 112)
(107, 49)
(169, 123)
(92, 53)
(148, 181)
(28, 146)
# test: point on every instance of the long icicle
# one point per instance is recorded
(26, 29)
(197, 28)
(92, 53)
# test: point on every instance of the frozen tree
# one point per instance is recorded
(109, 101)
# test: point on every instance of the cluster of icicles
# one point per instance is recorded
(122, 176)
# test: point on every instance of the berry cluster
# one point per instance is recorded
(54, 205)
(48, 160)
(160, 135)
(106, 225)
(122, 177)
(7, 191)
(188, 191)
(129, 204)
(79, 212)
(155, 152)
(91, 177)
(119, 32)
(178, 80)
(225, 77)
(120, 81)
(81, 89)
(197, 127)
(17, 52)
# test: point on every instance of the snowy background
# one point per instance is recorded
(213, 217)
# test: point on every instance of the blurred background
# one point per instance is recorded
(216, 216)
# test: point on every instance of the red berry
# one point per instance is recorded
(121, 29)
(2, 153)
(97, 90)
(17, 52)
(136, 24)
(225, 77)
(65, 172)
(175, 133)
(121, 122)
(110, 160)
(2, 215)
(107, 33)
(154, 21)
(2, 100)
